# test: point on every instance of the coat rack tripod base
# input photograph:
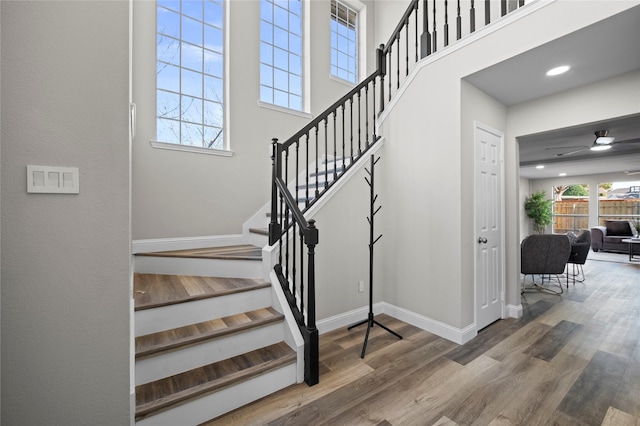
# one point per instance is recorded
(370, 321)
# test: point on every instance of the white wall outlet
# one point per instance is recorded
(53, 180)
(360, 286)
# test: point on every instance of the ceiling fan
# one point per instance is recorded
(602, 142)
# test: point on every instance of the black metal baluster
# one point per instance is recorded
(381, 63)
(326, 152)
(425, 41)
(374, 107)
(390, 68)
(406, 48)
(281, 215)
(293, 268)
(366, 113)
(351, 126)
(335, 147)
(446, 23)
(317, 159)
(487, 12)
(397, 62)
(286, 241)
(435, 30)
(343, 138)
(458, 24)
(359, 123)
(286, 165)
(297, 172)
(416, 30)
(472, 18)
(306, 173)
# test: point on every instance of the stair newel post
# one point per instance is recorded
(425, 37)
(312, 348)
(274, 226)
(370, 321)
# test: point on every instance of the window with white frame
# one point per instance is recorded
(281, 53)
(344, 41)
(190, 72)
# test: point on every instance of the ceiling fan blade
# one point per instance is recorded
(635, 140)
(562, 154)
(632, 173)
(566, 147)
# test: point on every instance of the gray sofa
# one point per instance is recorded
(610, 236)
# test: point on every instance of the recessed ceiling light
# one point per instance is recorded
(540, 166)
(558, 70)
(562, 174)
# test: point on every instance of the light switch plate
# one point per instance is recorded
(53, 180)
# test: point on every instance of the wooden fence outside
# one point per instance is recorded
(573, 214)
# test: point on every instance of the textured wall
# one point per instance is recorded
(65, 258)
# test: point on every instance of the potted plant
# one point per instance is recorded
(636, 227)
(538, 208)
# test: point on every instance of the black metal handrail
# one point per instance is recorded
(330, 144)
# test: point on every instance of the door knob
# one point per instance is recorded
(482, 240)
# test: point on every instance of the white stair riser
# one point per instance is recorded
(258, 240)
(198, 267)
(206, 352)
(149, 321)
(218, 403)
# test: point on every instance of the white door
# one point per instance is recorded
(489, 224)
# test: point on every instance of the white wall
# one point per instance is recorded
(179, 194)
(426, 153)
(342, 255)
(476, 106)
(65, 258)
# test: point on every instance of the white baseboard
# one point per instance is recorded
(454, 334)
(513, 311)
(346, 319)
(185, 243)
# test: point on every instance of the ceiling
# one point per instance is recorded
(600, 51)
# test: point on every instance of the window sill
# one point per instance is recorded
(285, 110)
(189, 148)
(342, 80)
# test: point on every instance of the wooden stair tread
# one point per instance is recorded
(238, 252)
(154, 343)
(155, 290)
(160, 394)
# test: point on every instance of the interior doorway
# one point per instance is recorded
(489, 225)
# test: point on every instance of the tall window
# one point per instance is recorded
(281, 53)
(190, 72)
(344, 42)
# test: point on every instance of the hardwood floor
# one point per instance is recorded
(572, 359)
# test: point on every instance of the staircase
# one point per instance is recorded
(208, 337)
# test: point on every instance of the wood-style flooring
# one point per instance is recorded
(572, 359)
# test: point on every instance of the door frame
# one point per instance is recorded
(502, 257)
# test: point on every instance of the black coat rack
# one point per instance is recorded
(373, 211)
